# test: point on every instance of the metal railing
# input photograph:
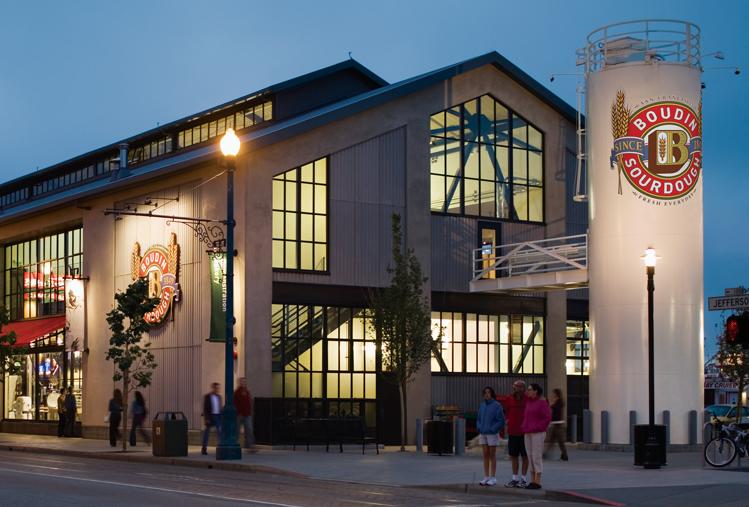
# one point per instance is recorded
(647, 40)
(531, 257)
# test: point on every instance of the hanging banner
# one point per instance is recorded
(218, 297)
(75, 314)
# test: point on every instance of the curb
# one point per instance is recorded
(544, 494)
(133, 458)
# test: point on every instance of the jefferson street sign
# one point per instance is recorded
(728, 303)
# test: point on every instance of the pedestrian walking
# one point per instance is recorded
(115, 417)
(243, 404)
(70, 412)
(61, 413)
(138, 409)
(535, 423)
(514, 406)
(557, 428)
(211, 415)
(490, 421)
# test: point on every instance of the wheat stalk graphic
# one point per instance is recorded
(135, 261)
(662, 148)
(619, 122)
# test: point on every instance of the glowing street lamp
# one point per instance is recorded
(228, 447)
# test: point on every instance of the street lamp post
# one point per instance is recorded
(654, 450)
(228, 448)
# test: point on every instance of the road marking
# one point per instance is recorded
(371, 503)
(153, 488)
(40, 466)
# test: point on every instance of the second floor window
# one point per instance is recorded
(300, 218)
(486, 161)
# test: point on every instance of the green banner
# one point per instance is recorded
(218, 297)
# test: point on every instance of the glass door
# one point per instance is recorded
(488, 240)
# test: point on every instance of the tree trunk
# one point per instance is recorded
(404, 415)
(125, 390)
(739, 404)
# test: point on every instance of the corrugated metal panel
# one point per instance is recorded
(177, 343)
(453, 241)
(366, 187)
(577, 212)
(465, 391)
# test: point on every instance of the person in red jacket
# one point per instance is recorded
(514, 406)
(535, 423)
(243, 404)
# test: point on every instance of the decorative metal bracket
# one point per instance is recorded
(210, 234)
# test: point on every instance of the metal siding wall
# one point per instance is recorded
(177, 343)
(453, 241)
(366, 186)
(577, 212)
(465, 390)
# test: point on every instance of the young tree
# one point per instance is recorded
(401, 317)
(134, 362)
(733, 361)
(9, 363)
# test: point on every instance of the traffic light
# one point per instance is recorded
(737, 330)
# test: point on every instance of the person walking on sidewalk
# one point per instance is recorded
(139, 412)
(514, 406)
(535, 423)
(557, 428)
(490, 421)
(243, 404)
(211, 415)
(115, 417)
(61, 413)
(70, 411)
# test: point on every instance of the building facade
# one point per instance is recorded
(471, 155)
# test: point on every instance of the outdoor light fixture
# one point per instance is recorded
(228, 446)
(650, 451)
(230, 144)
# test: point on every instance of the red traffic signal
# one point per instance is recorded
(737, 330)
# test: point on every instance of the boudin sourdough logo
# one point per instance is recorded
(658, 147)
(160, 266)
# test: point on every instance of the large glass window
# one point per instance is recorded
(244, 118)
(300, 218)
(578, 347)
(486, 161)
(35, 271)
(476, 343)
(324, 361)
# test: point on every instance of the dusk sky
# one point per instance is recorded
(80, 75)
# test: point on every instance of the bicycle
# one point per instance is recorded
(723, 448)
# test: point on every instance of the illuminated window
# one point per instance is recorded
(300, 222)
(324, 361)
(578, 347)
(475, 343)
(486, 161)
(35, 271)
(238, 120)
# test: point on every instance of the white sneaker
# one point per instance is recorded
(484, 481)
(523, 483)
(492, 481)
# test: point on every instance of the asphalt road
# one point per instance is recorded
(37, 479)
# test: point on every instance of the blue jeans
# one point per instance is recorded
(215, 420)
(249, 436)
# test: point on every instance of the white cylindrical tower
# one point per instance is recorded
(645, 191)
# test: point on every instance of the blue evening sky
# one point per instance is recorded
(79, 75)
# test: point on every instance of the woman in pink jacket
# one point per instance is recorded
(535, 422)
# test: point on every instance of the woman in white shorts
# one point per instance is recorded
(490, 421)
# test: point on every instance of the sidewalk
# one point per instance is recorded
(586, 471)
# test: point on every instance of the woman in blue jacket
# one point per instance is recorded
(490, 421)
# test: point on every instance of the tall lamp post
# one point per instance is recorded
(653, 453)
(228, 448)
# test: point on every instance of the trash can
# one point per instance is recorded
(170, 434)
(650, 454)
(439, 435)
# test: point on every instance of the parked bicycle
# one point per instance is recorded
(723, 448)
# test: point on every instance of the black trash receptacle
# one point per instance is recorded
(170, 434)
(650, 454)
(439, 436)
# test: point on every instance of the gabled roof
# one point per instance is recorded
(279, 130)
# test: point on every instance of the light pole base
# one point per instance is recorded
(228, 446)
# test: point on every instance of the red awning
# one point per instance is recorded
(29, 330)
